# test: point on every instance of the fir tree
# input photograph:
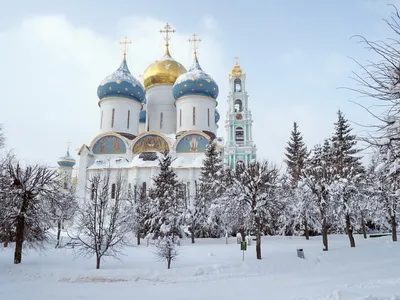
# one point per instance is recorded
(207, 191)
(168, 207)
(296, 155)
(346, 169)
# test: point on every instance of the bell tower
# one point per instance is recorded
(239, 145)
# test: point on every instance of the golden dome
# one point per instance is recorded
(163, 71)
(237, 70)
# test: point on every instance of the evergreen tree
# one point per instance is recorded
(168, 207)
(296, 155)
(207, 191)
(346, 168)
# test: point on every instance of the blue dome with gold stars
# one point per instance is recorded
(121, 83)
(66, 161)
(217, 116)
(195, 82)
(142, 116)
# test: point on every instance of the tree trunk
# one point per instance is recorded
(19, 231)
(169, 262)
(325, 234)
(364, 229)
(138, 237)
(350, 231)
(98, 258)
(19, 238)
(306, 232)
(242, 234)
(192, 235)
(258, 237)
(394, 228)
(58, 233)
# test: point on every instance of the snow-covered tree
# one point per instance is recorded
(317, 180)
(2, 138)
(24, 192)
(296, 155)
(253, 189)
(102, 222)
(140, 207)
(167, 250)
(207, 190)
(63, 208)
(347, 172)
(167, 214)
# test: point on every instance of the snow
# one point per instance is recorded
(210, 269)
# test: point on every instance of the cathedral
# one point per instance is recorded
(173, 109)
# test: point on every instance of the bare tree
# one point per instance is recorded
(166, 249)
(103, 222)
(63, 208)
(24, 193)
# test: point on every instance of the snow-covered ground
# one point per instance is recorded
(210, 270)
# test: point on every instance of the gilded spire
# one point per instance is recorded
(195, 42)
(167, 30)
(125, 42)
(237, 70)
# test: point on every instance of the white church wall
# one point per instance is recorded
(122, 109)
(196, 113)
(161, 111)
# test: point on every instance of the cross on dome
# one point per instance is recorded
(195, 42)
(167, 30)
(68, 142)
(236, 58)
(125, 42)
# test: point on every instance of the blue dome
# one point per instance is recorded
(142, 116)
(121, 83)
(195, 82)
(66, 161)
(217, 116)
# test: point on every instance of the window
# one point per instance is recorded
(180, 117)
(112, 118)
(92, 190)
(113, 191)
(237, 85)
(161, 120)
(143, 191)
(65, 184)
(239, 135)
(194, 115)
(208, 116)
(101, 120)
(238, 105)
(128, 120)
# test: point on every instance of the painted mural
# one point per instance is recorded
(109, 144)
(150, 143)
(192, 143)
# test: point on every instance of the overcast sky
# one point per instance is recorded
(53, 55)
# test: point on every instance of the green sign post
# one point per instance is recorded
(243, 247)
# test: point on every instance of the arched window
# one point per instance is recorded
(144, 190)
(238, 105)
(237, 85)
(113, 191)
(239, 135)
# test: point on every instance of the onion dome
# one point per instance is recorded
(66, 161)
(217, 116)
(195, 82)
(142, 116)
(122, 84)
(163, 71)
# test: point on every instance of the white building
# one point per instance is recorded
(174, 111)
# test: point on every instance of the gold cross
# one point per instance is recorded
(167, 29)
(195, 42)
(237, 60)
(125, 42)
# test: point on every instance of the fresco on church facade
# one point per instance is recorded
(150, 143)
(192, 143)
(109, 144)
